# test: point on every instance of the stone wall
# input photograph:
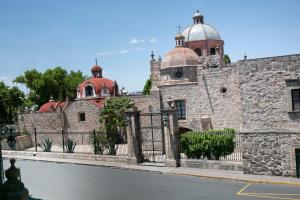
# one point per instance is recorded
(71, 117)
(265, 95)
(43, 122)
(215, 95)
(270, 153)
(143, 102)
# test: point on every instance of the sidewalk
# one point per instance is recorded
(106, 161)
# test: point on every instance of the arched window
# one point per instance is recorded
(88, 91)
(198, 51)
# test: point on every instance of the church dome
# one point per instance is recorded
(98, 85)
(180, 56)
(200, 32)
(51, 106)
(96, 68)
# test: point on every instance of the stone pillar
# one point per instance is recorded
(171, 131)
(134, 154)
(13, 188)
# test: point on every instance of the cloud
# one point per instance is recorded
(123, 51)
(152, 40)
(136, 41)
(7, 81)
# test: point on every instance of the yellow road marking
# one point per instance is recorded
(266, 195)
(269, 197)
(244, 188)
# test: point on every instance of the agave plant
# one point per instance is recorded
(46, 145)
(70, 145)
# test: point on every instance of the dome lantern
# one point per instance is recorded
(198, 18)
(96, 71)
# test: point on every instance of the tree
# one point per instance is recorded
(147, 87)
(56, 82)
(113, 117)
(227, 59)
(10, 100)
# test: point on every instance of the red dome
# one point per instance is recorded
(98, 84)
(96, 68)
(51, 106)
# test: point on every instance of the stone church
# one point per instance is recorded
(259, 98)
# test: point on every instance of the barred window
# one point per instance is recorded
(296, 99)
(181, 110)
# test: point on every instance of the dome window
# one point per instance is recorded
(88, 91)
(198, 51)
(212, 51)
(179, 73)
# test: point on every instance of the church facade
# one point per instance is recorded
(259, 98)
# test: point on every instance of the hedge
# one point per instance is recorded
(210, 144)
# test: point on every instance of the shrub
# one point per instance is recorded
(99, 142)
(70, 145)
(211, 144)
(46, 145)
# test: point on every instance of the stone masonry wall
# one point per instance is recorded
(43, 122)
(265, 96)
(71, 117)
(270, 153)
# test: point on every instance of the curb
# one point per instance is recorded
(110, 165)
(237, 179)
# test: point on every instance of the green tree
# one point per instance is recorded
(10, 100)
(147, 87)
(227, 59)
(113, 117)
(56, 82)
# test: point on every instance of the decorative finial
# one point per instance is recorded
(159, 58)
(197, 11)
(179, 27)
(96, 61)
(51, 98)
(152, 56)
(245, 56)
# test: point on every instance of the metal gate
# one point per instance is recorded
(297, 152)
(151, 131)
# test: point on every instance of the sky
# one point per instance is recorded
(42, 34)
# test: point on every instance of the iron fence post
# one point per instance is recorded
(63, 139)
(35, 142)
(95, 146)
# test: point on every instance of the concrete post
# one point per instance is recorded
(171, 131)
(134, 154)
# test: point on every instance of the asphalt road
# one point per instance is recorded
(54, 181)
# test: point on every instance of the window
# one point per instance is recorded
(181, 111)
(212, 51)
(81, 117)
(88, 91)
(296, 99)
(179, 73)
(198, 51)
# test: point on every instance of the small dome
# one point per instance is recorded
(96, 68)
(200, 32)
(51, 106)
(179, 57)
(179, 37)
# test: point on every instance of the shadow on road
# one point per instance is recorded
(32, 198)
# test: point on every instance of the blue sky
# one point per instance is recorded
(43, 34)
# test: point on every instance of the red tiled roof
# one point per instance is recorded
(99, 83)
(51, 106)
